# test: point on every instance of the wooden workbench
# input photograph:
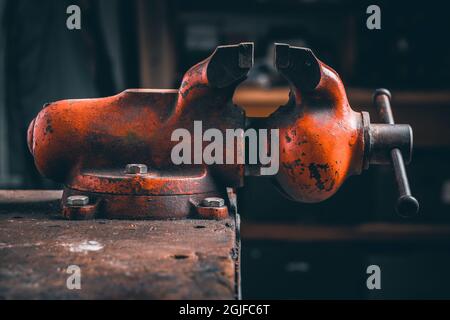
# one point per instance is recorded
(185, 259)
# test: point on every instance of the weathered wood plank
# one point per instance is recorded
(184, 259)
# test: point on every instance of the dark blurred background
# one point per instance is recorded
(290, 250)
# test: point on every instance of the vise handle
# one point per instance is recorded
(407, 205)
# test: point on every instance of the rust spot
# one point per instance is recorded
(48, 128)
(314, 172)
(288, 139)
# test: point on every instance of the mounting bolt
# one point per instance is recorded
(213, 202)
(77, 201)
(136, 169)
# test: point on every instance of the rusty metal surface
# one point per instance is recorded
(323, 141)
(71, 136)
(134, 207)
(87, 144)
(321, 137)
(183, 259)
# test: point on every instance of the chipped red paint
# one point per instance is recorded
(86, 144)
(321, 137)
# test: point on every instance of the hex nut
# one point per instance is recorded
(136, 169)
(77, 201)
(213, 202)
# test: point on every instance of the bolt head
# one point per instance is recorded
(213, 202)
(136, 169)
(77, 201)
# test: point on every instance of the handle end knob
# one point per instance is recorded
(381, 91)
(407, 206)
